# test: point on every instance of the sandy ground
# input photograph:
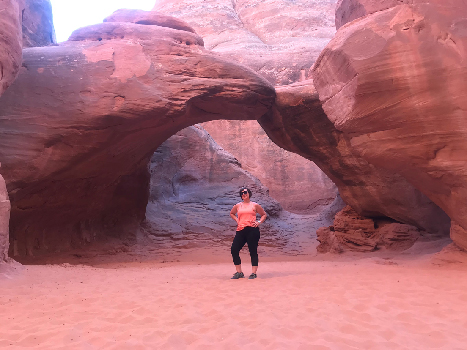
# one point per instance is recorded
(416, 300)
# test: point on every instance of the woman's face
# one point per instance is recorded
(245, 194)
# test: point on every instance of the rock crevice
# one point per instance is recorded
(4, 221)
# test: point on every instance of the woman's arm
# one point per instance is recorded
(261, 212)
(233, 212)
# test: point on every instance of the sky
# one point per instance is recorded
(70, 15)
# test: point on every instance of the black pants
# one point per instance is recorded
(248, 235)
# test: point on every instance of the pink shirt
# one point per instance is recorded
(246, 215)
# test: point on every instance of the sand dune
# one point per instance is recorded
(369, 303)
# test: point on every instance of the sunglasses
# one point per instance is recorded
(243, 192)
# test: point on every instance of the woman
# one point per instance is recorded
(247, 232)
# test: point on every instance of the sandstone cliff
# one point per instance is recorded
(394, 82)
(278, 39)
(298, 123)
(37, 24)
(11, 43)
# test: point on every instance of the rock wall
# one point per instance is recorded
(278, 39)
(80, 123)
(4, 221)
(11, 43)
(394, 82)
(298, 123)
(349, 10)
(37, 25)
(195, 183)
(459, 235)
(297, 183)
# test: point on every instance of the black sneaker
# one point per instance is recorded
(237, 275)
(252, 276)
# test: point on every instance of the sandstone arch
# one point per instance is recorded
(79, 125)
(83, 118)
(261, 34)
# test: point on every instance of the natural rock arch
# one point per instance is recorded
(82, 119)
(79, 125)
(280, 40)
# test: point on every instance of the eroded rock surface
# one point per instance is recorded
(11, 42)
(279, 39)
(349, 10)
(4, 221)
(298, 123)
(352, 232)
(296, 182)
(195, 183)
(83, 118)
(459, 235)
(148, 18)
(38, 27)
(394, 82)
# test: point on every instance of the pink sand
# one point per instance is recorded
(369, 303)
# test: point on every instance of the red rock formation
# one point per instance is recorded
(352, 232)
(394, 82)
(349, 10)
(78, 126)
(10, 46)
(297, 183)
(279, 39)
(298, 123)
(38, 27)
(148, 18)
(4, 221)
(459, 235)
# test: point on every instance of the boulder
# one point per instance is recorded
(83, 118)
(11, 43)
(352, 232)
(4, 221)
(396, 236)
(296, 182)
(328, 242)
(298, 123)
(279, 39)
(38, 26)
(394, 83)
